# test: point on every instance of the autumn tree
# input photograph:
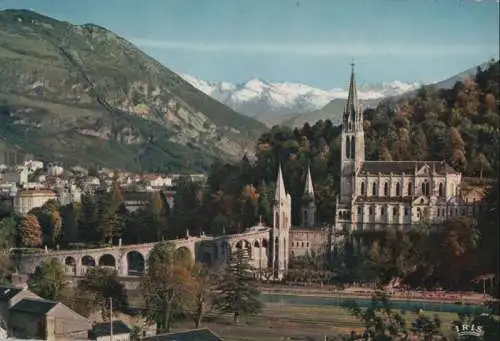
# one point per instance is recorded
(48, 280)
(29, 231)
(203, 283)
(458, 158)
(166, 285)
(99, 286)
(237, 292)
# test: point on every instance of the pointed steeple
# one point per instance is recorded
(308, 188)
(352, 108)
(280, 186)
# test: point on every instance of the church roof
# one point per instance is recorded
(408, 167)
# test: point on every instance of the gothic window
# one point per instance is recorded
(427, 189)
(394, 211)
(363, 188)
(409, 189)
(302, 244)
(423, 189)
(277, 220)
(406, 211)
(350, 126)
(386, 189)
(347, 146)
(398, 189)
(382, 211)
(359, 209)
(371, 210)
(441, 190)
(374, 188)
(353, 147)
(438, 212)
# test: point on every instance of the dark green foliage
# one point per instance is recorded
(8, 226)
(237, 291)
(383, 324)
(48, 280)
(98, 286)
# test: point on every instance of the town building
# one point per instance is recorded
(47, 320)
(204, 334)
(102, 331)
(9, 296)
(27, 199)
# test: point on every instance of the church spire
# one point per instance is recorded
(352, 108)
(280, 186)
(308, 189)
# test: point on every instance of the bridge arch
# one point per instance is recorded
(88, 261)
(183, 254)
(107, 260)
(136, 263)
(70, 264)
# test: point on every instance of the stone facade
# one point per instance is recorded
(378, 194)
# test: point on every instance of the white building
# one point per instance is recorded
(33, 165)
(54, 169)
(28, 199)
(378, 194)
(18, 175)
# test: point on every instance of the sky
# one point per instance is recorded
(305, 41)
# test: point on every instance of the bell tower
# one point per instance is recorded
(282, 219)
(352, 154)
(308, 204)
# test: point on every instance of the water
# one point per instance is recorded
(407, 305)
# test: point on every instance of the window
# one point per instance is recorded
(398, 189)
(386, 189)
(441, 190)
(353, 144)
(359, 210)
(374, 188)
(406, 211)
(394, 211)
(382, 211)
(371, 210)
(438, 212)
(347, 147)
(363, 188)
(409, 189)
(423, 189)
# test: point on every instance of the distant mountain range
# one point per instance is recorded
(274, 103)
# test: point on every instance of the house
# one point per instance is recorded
(9, 296)
(102, 331)
(48, 320)
(28, 199)
(18, 175)
(204, 334)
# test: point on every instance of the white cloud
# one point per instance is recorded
(403, 49)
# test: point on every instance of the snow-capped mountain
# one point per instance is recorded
(272, 102)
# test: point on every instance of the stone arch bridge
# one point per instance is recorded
(131, 260)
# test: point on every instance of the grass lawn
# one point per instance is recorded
(294, 322)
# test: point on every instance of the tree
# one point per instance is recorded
(70, 215)
(165, 286)
(48, 280)
(88, 219)
(109, 224)
(383, 324)
(7, 268)
(8, 227)
(237, 291)
(203, 285)
(99, 286)
(30, 232)
(481, 164)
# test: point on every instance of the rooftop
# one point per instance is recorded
(408, 167)
(103, 329)
(190, 335)
(7, 292)
(34, 306)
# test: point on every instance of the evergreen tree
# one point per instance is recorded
(88, 219)
(109, 223)
(70, 215)
(237, 290)
(48, 280)
(8, 227)
(30, 232)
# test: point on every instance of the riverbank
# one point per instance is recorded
(364, 293)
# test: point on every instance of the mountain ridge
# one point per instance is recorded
(84, 82)
(275, 102)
